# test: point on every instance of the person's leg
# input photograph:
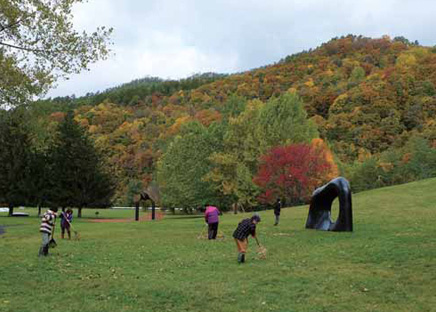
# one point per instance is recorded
(210, 231)
(242, 248)
(62, 232)
(43, 250)
(46, 248)
(277, 219)
(238, 246)
(215, 230)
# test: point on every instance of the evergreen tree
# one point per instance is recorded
(78, 177)
(15, 157)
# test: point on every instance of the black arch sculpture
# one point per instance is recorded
(321, 205)
(151, 193)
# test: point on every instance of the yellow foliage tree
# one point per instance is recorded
(324, 150)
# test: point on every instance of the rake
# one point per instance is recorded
(52, 243)
(202, 233)
(261, 250)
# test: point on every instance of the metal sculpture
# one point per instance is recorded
(319, 217)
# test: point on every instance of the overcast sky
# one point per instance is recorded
(177, 38)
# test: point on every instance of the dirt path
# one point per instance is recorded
(147, 217)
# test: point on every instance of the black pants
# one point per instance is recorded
(277, 219)
(213, 230)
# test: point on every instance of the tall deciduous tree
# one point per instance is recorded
(235, 164)
(38, 44)
(79, 178)
(258, 128)
(283, 121)
(292, 172)
(182, 168)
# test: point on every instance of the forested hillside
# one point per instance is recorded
(368, 104)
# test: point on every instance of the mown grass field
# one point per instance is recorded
(387, 264)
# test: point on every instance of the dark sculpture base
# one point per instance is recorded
(319, 217)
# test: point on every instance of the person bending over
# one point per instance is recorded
(211, 216)
(245, 228)
(48, 221)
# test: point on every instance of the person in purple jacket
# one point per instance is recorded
(211, 216)
(66, 219)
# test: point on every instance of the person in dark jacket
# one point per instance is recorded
(245, 228)
(277, 208)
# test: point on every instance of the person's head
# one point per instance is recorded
(69, 210)
(278, 199)
(54, 209)
(255, 218)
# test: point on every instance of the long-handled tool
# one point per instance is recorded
(261, 250)
(52, 243)
(201, 235)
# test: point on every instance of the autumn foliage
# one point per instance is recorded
(366, 98)
(294, 171)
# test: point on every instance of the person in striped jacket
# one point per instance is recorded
(47, 227)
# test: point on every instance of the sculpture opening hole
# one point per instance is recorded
(334, 212)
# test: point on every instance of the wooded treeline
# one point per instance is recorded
(67, 171)
(359, 107)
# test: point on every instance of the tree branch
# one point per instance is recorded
(21, 48)
(11, 25)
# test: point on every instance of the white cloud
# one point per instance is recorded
(176, 38)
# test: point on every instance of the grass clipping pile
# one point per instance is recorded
(261, 252)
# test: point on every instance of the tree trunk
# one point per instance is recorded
(39, 210)
(153, 210)
(11, 210)
(137, 211)
(79, 215)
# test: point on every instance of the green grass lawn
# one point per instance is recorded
(387, 264)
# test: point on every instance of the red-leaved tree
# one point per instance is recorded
(293, 172)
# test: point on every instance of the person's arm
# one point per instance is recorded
(253, 231)
(67, 219)
(53, 219)
(50, 219)
(253, 234)
(206, 216)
